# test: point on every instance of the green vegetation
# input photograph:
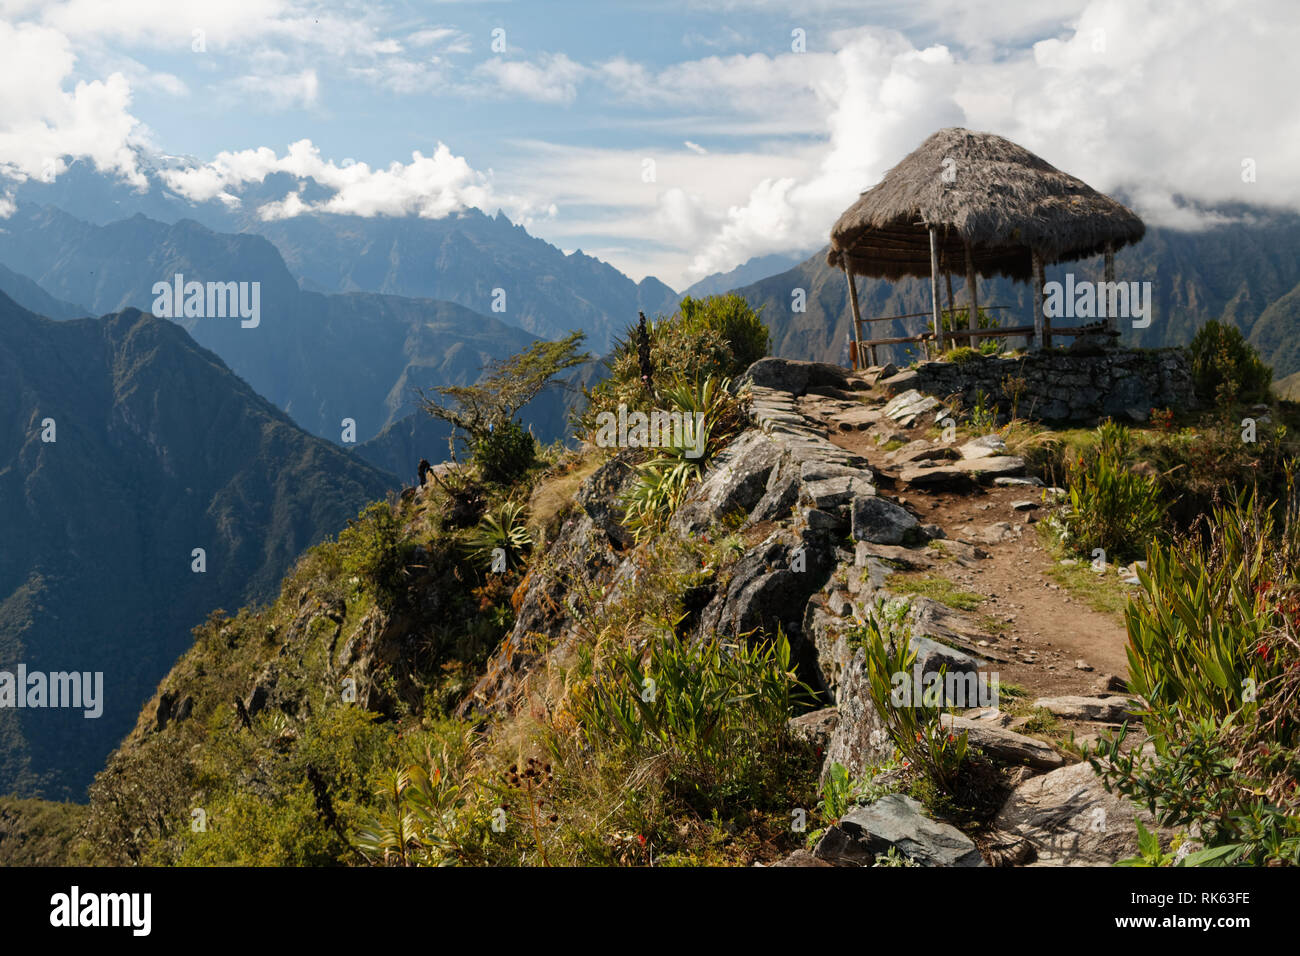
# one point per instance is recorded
(1112, 507)
(718, 337)
(662, 482)
(1215, 655)
(491, 404)
(916, 730)
(938, 588)
(1225, 368)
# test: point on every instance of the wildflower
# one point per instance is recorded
(640, 838)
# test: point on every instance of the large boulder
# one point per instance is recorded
(789, 375)
(881, 522)
(735, 481)
(896, 822)
(1067, 818)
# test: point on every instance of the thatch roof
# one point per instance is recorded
(1003, 199)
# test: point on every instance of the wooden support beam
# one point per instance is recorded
(857, 316)
(934, 287)
(1112, 321)
(1038, 300)
(972, 294)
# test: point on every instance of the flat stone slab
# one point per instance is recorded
(1067, 818)
(1004, 745)
(921, 450)
(986, 446)
(1106, 710)
(937, 474)
(880, 521)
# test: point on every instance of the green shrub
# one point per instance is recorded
(716, 712)
(1226, 369)
(373, 549)
(1111, 507)
(662, 482)
(740, 327)
(505, 452)
(718, 338)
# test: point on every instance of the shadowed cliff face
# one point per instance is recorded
(124, 447)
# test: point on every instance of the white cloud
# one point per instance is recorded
(43, 123)
(553, 78)
(428, 186)
(279, 92)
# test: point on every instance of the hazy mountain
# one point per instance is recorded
(321, 358)
(462, 258)
(747, 273)
(1245, 272)
(32, 297)
(158, 449)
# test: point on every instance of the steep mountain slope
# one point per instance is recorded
(32, 297)
(321, 358)
(1236, 272)
(158, 449)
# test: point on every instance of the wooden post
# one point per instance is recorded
(1112, 321)
(947, 278)
(934, 288)
(853, 305)
(972, 320)
(1038, 300)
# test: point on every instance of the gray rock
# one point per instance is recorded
(816, 726)
(956, 471)
(1005, 746)
(1107, 710)
(906, 408)
(1006, 481)
(735, 481)
(837, 492)
(1067, 818)
(880, 521)
(896, 821)
(986, 446)
(921, 450)
(789, 375)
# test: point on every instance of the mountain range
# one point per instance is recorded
(125, 446)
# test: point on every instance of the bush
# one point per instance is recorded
(741, 329)
(506, 529)
(718, 338)
(663, 481)
(504, 453)
(1226, 369)
(1111, 507)
(373, 548)
(716, 712)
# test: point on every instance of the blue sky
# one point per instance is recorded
(672, 138)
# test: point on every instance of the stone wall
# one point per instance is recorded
(1061, 386)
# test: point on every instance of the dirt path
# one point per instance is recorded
(1038, 626)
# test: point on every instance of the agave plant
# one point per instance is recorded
(502, 530)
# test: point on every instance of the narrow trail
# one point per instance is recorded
(1034, 632)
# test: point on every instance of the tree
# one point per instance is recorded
(505, 388)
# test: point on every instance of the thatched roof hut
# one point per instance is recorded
(978, 203)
